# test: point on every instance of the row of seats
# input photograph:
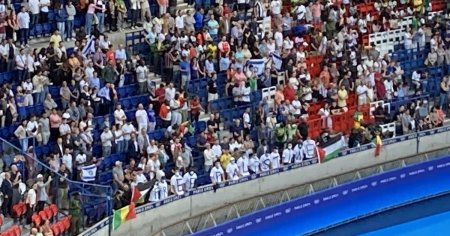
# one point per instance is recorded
(48, 213)
(12, 231)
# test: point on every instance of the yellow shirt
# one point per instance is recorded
(56, 39)
(225, 160)
(342, 98)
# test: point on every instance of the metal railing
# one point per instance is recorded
(241, 208)
(30, 166)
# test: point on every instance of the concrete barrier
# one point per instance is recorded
(156, 216)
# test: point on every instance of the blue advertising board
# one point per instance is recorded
(348, 193)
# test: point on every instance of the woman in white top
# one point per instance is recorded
(21, 134)
(174, 108)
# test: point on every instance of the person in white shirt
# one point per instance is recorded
(217, 174)
(127, 130)
(155, 193)
(209, 156)
(141, 76)
(275, 7)
(298, 153)
(106, 138)
(189, 179)
(361, 92)
(140, 177)
(309, 148)
(119, 115)
(141, 117)
(278, 36)
(233, 170)
(243, 165)
(163, 188)
(288, 154)
(32, 127)
(80, 159)
(217, 149)
(23, 20)
(67, 159)
(27, 86)
(21, 134)
(177, 183)
(276, 159)
(265, 161)
(254, 164)
(153, 165)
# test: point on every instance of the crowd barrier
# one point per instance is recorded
(155, 216)
(321, 201)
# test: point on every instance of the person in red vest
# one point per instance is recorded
(224, 46)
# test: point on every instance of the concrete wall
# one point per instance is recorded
(151, 219)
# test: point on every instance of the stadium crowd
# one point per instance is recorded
(312, 53)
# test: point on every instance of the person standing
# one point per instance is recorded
(121, 13)
(100, 13)
(31, 202)
(75, 213)
(6, 189)
(71, 12)
(42, 191)
(23, 20)
(135, 8)
(63, 187)
(33, 5)
(61, 18)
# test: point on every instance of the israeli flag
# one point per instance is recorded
(89, 47)
(277, 61)
(88, 173)
(258, 64)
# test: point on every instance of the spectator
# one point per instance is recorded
(42, 196)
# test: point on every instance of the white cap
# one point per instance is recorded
(39, 176)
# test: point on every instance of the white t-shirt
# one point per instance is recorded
(243, 165)
(179, 22)
(118, 115)
(189, 180)
(265, 161)
(288, 155)
(141, 72)
(216, 174)
(177, 182)
(298, 153)
(67, 161)
(141, 117)
(23, 20)
(254, 164)
(278, 39)
(34, 6)
(127, 129)
(155, 193)
(233, 171)
(44, 2)
(309, 149)
(163, 190)
(275, 156)
(275, 7)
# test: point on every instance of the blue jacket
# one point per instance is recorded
(61, 15)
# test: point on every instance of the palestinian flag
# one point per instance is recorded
(140, 191)
(123, 214)
(378, 145)
(332, 147)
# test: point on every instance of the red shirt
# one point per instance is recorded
(289, 93)
(193, 104)
(163, 111)
(160, 93)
